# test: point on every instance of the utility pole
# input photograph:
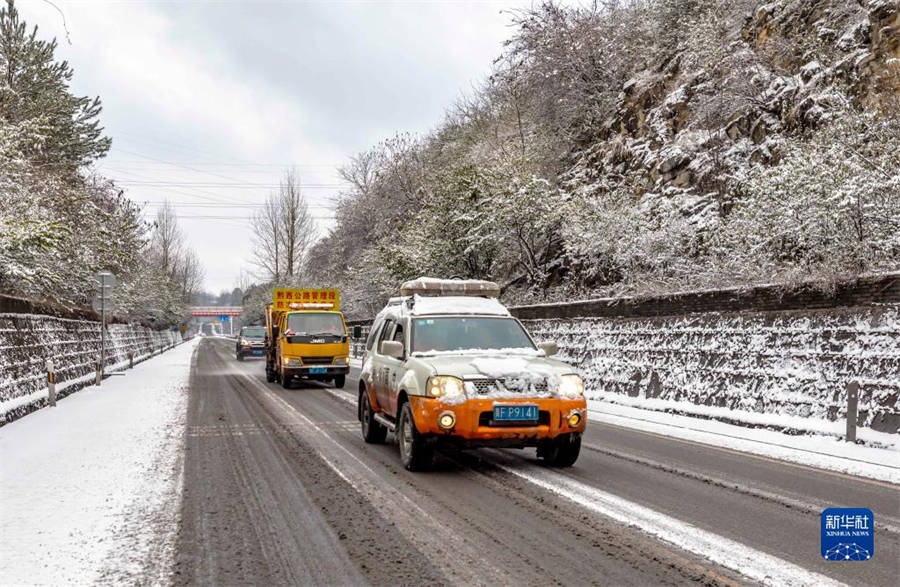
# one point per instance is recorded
(106, 282)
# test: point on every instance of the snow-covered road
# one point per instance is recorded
(90, 490)
(192, 469)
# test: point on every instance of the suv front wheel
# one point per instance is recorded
(562, 451)
(373, 431)
(415, 453)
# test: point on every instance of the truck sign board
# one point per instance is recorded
(282, 298)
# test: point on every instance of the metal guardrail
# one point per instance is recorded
(358, 345)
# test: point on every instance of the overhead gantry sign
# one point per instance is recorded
(214, 311)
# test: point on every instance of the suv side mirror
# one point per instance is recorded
(549, 348)
(392, 348)
(357, 331)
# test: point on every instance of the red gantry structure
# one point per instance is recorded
(215, 311)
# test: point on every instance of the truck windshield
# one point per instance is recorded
(313, 324)
(458, 334)
(259, 333)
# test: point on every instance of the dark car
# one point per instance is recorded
(251, 342)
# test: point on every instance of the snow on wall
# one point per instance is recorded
(794, 363)
(28, 340)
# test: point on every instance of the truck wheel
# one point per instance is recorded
(339, 381)
(286, 381)
(373, 432)
(270, 375)
(562, 451)
(240, 357)
(415, 453)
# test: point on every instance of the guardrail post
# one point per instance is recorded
(131, 359)
(852, 410)
(51, 383)
(99, 366)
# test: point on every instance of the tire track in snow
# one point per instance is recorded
(750, 562)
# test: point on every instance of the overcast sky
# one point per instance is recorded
(207, 102)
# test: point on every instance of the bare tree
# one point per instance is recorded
(189, 274)
(297, 225)
(283, 232)
(267, 252)
(171, 259)
(167, 240)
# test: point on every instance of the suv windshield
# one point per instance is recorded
(315, 324)
(458, 334)
(254, 332)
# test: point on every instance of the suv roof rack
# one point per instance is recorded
(430, 286)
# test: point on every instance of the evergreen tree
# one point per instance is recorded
(34, 92)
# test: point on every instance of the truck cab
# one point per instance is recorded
(306, 340)
(446, 364)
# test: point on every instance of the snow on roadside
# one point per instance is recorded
(90, 490)
(816, 451)
(745, 418)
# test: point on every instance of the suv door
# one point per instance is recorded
(394, 366)
(380, 371)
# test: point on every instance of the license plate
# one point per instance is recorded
(318, 370)
(516, 413)
(257, 352)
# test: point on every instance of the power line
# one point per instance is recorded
(242, 219)
(162, 161)
(224, 163)
(217, 205)
(210, 196)
(157, 143)
(240, 185)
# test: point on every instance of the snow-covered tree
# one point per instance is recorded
(60, 223)
(643, 145)
(34, 89)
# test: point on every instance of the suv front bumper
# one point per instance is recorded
(475, 426)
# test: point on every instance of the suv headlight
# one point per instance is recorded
(445, 386)
(288, 361)
(571, 386)
(245, 342)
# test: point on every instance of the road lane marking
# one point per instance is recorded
(344, 396)
(791, 502)
(760, 457)
(753, 564)
(744, 438)
(219, 430)
(798, 504)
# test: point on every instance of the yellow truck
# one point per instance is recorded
(306, 337)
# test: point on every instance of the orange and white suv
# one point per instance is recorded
(446, 364)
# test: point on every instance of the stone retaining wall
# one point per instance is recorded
(28, 340)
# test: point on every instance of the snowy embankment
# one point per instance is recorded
(90, 490)
(28, 340)
(822, 452)
(786, 370)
